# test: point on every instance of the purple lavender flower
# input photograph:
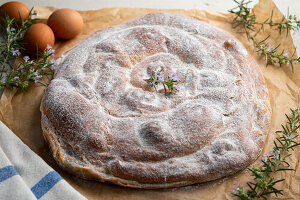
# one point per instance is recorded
(239, 187)
(49, 48)
(285, 54)
(289, 137)
(26, 58)
(17, 78)
(152, 83)
(275, 154)
(36, 76)
(9, 29)
(265, 159)
(235, 190)
(36, 79)
(16, 53)
(53, 61)
(174, 77)
(270, 49)
(22, 35)
(156, 75)
(161, 78)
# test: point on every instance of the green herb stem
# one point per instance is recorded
(171, 83)
(27, 71)
(245, 19)
(264, 176)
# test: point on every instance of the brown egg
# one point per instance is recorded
(14, 9)
(65, 23)
(38, 36)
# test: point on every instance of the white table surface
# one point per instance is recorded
(217, 5)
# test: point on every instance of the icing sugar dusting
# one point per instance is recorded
(108, 119)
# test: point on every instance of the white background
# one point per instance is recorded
(217, 5)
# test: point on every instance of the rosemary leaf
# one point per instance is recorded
(245, 20)
(264, 176)
(27, 71)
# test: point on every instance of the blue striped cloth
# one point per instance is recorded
(24, 175)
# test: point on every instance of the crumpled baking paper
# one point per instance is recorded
(20, 111)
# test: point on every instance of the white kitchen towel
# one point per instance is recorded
(24, 175)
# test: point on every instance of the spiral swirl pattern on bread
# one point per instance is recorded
(103, 121)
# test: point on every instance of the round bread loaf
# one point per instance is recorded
(103, 121)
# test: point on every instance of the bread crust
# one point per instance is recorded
(102, 121)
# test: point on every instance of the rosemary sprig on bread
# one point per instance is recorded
(170, 84)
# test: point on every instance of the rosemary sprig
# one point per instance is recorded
(271, 54)
(245, 20)
(27, 71)
(264, 180)
(169, 84)
(12, 39)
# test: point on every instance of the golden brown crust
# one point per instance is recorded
(102, 120)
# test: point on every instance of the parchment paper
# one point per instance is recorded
(20, 111)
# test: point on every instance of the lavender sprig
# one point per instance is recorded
(169, 84)
(245, 20)
(264, 181)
